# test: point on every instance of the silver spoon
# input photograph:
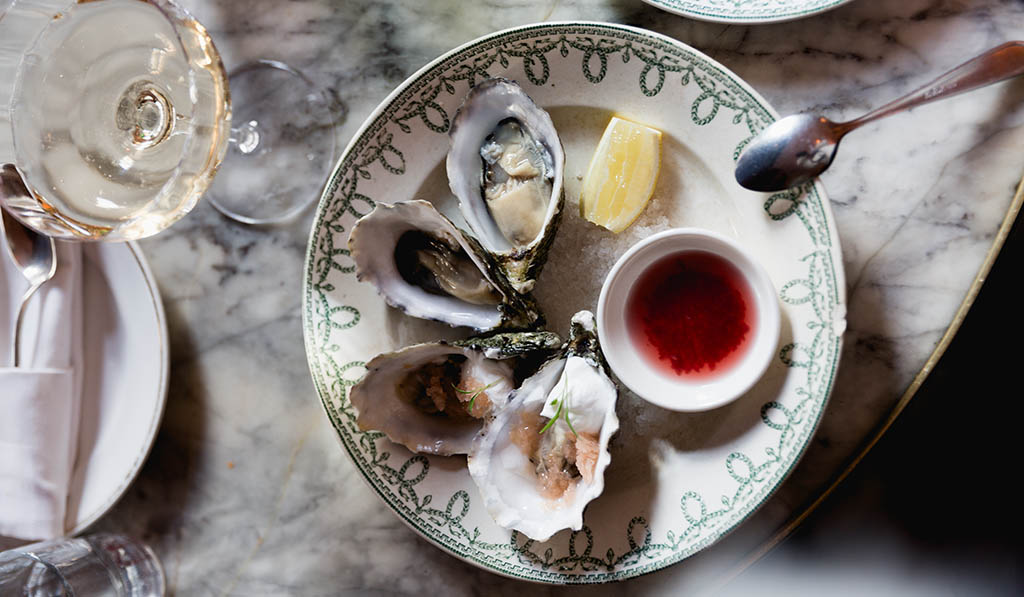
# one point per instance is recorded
(33, 254)
(797, 148)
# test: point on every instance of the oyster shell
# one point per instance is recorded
(506, 166)
(541, 459)
(431, 397)
(421, 263)
(513, 344)
(528, 349)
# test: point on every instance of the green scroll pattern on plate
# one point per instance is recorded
(442, 518)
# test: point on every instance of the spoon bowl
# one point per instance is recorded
(33, 254)
(789, 153)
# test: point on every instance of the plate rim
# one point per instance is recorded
(163, 380)
(713, 17)
(329, 190)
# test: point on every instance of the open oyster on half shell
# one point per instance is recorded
(541, 459)
(434, 397)
(420, 396)
(422, 264)
(506, 165)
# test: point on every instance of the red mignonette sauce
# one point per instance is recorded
(692, 315)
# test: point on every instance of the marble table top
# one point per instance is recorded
(247, 490)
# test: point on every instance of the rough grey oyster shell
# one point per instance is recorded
(513, 344)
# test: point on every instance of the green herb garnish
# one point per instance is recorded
(475, 393)
(562, 403)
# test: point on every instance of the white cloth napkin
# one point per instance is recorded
(39, 402)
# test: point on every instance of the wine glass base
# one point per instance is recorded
(282, 145)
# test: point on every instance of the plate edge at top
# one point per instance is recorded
(712, 17)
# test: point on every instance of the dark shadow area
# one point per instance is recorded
(936, 495)
(154, 507)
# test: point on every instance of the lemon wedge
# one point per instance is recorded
(622, 174)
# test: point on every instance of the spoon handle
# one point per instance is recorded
(16, 359)
(997, 64)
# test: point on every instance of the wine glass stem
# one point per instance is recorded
(145, 114)
(246, 137)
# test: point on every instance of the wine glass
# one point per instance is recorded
(281, 145)
(119, 116)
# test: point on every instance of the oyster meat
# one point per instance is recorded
(421, 263)
(432, 397)
(506, 167)
(541, 459)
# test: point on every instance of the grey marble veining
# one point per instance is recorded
(247, 491)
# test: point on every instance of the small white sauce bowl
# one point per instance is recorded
(644, 377)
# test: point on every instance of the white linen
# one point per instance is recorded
(40, 401)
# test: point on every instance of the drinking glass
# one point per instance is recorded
(101, 565)
(117, 115)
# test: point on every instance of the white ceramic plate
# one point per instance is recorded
(678, 481)
(125, 382)
(747, 12)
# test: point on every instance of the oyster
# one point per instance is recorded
(431, 397)
(506, 167)
(421, 263)
(541, 459)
